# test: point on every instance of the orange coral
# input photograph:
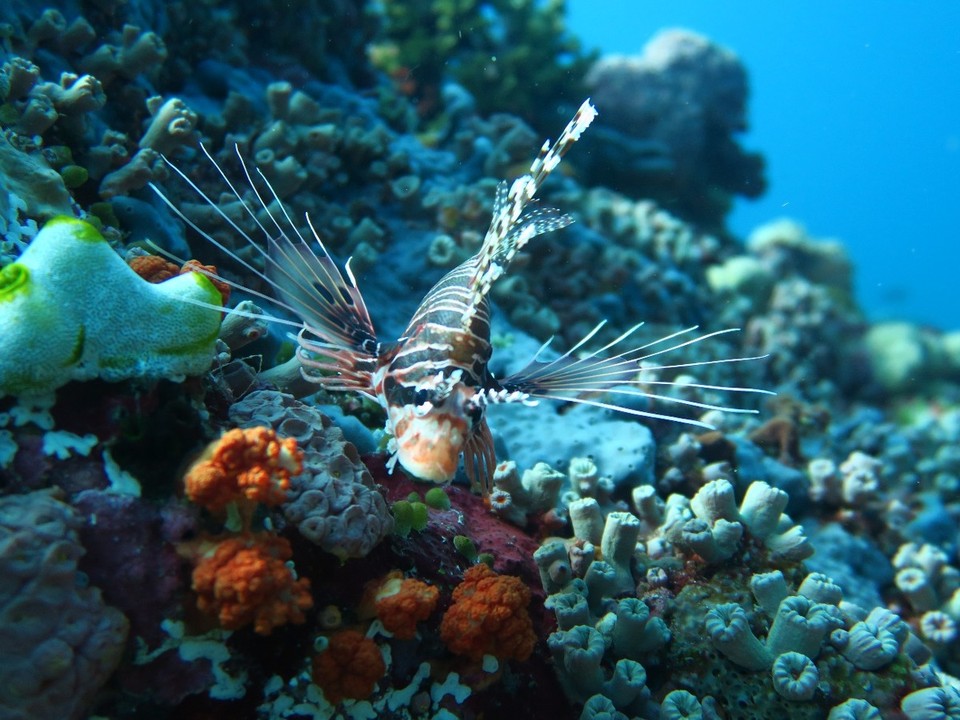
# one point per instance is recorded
(403, 602)
(246, 579)
(153, 268)
(349, 668)
(253, 464)
(489, 617)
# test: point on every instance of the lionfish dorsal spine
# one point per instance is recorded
(513, 224)
(337, 343)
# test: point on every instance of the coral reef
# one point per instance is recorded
(693, 598)
(334, 502)
(512, 56)
(188, 532)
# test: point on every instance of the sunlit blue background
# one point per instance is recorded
(856, 106)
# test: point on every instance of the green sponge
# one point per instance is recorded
(72, 309)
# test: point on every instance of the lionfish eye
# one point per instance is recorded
(473, 410)
(421, 397)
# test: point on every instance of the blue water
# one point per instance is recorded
(856, 106)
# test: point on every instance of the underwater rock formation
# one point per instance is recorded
(61, 642)
(669, 126)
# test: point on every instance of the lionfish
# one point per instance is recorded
(434, 382)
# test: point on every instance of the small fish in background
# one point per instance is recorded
(434, 381)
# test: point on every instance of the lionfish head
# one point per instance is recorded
(431, 432)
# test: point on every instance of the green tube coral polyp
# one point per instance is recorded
(72, 309)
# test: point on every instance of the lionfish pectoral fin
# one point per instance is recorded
(479, 458)
(330, 306)
(307, 284)
(393, 457)
(513, 224)
(584, 378)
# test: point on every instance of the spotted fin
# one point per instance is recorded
(514, 224)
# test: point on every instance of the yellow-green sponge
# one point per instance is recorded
(72, 309)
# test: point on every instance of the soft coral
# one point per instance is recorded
(246, 579)
(489, 617)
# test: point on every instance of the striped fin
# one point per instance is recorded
(582, 379)
(480, 458)
(307, 284)
(513, 224)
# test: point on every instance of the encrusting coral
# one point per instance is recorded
(60, 641)
(80, 312)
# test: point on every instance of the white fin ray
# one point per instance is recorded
(266, 317)
(578, 380)
(308, 285)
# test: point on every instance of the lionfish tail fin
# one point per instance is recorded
(307, 284)
(622, 382)
(513, 224)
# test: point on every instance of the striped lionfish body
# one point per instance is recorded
(434, 382)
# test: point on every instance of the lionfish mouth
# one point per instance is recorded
(429, 448)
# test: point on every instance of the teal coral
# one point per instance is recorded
(790, 646)
(514, 56)
(71, 309)
(31, 179)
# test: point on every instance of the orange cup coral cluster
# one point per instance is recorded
(253, 464)
(349, 668)
(489, 617)
(400, 603)
(155, 269)
(246, 579)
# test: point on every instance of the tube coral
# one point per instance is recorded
(246, 579)
(795, 676)
(253, 464)
(489, 617)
